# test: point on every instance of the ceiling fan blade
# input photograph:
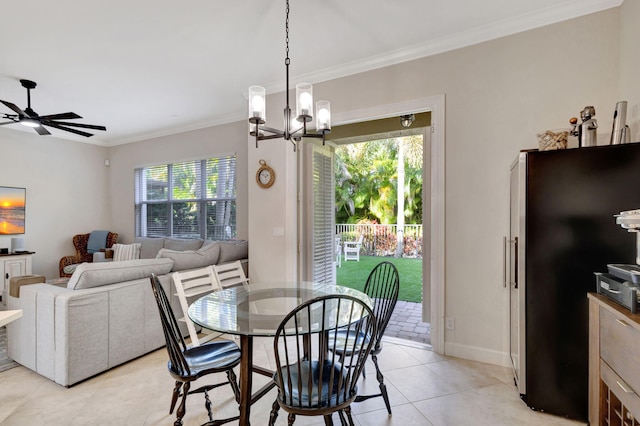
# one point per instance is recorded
(14, 108)
(61, 116)
(41, 131)
(85, 126)
(8, 122)
(68, 129)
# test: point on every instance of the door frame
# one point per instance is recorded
(433, 267)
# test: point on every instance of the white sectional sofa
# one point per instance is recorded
(106, 314)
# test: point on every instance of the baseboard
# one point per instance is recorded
(475, 353)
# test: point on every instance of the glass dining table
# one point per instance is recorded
(257, 309)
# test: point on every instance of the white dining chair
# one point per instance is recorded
(190, 285)
(230, 274)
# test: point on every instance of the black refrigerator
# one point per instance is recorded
(563, 230)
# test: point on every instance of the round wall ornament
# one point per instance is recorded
(265, 176)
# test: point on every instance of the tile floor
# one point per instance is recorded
(425, 389)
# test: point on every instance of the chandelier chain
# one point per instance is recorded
(286, 25)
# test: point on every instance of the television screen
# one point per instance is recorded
(12, 212)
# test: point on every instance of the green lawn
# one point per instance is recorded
(354, 274)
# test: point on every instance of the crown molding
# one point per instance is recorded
(476, 35)
(470, 37)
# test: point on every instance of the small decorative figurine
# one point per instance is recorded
(586, 131)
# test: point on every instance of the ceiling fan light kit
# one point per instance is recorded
(30, 118)
(304, 109)
(29, 122)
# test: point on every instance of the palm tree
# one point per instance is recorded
(412, 145)
(380, 181)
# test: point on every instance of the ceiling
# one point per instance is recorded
(148, 68)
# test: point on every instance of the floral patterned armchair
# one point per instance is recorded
(82, 255)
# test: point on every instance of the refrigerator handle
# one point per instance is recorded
(515, 262)
(506, 264)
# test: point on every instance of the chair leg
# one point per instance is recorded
(328, 421)
(383, 387)
(292, 418)
(274, 413)
(182, 408)
(174, 397)
(343, 419)
(347, 410)
(233, 382)
(207, 405)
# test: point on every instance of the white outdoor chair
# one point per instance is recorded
(351, 249)
(189, 285)
(230, 274)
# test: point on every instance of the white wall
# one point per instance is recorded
(67, 192)
(499, 94)
(203, 143)
(71, 191)
(272, 256)
(630, 64)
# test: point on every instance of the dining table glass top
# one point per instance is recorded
(257, 309)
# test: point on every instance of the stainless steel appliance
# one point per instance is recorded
(622, 281)
(620, 132)
(561, 231)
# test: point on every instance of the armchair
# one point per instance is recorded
(82, 255)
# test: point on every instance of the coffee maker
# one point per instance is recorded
(622, 282)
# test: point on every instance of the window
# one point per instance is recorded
(193, 199)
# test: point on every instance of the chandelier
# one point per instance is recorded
(294, 128)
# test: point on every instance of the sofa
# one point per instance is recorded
(105, 315)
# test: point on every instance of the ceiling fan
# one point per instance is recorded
(30, 118)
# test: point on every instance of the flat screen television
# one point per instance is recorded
(12, 210)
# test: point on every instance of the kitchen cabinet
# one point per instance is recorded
(614, 363)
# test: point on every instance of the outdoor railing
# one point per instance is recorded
(382, 240)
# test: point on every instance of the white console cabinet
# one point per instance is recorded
(13, 265)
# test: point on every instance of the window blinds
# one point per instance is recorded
(191, 199)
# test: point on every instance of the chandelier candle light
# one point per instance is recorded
(304, 109)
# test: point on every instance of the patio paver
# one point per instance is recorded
(406, 323)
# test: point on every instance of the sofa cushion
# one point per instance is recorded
(88, 275)
(233, 250)
(149, 247)
(123, 252)
(181, 244)
(190, 259)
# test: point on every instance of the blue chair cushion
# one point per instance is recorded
(216, 355)
(318, 396)
(347, 339)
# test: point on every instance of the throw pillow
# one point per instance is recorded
(70, 269)
(182, 244)
(122, 252)
(149, 246)
(233, 250)
(189, 259)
